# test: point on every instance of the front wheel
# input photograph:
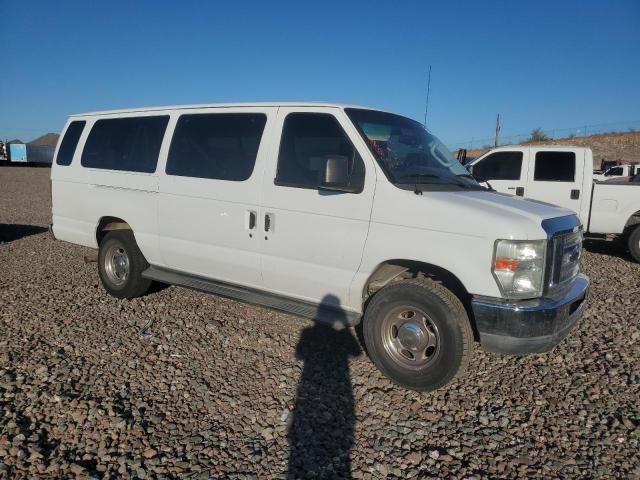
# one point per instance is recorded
(418, 334)
(120, 265)
(633, 243)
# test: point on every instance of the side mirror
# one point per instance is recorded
(336, 175)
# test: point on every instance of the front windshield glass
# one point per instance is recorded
(407, 152)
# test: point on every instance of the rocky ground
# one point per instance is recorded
(184, 384)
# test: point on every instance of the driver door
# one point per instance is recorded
(313, 239)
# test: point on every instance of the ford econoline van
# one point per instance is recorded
(337, 213)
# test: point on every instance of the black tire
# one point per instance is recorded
(443, 317)
(122, 242)
(633, 242)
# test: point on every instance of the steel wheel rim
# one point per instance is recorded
(116, 264)
(410, 337)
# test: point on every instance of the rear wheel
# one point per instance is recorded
(633, 242)
(418, 334)
(120, 265)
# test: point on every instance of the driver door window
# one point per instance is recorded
(309, 140)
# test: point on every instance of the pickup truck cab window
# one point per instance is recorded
(499, 166)
(216, 146)
(408, 154)
(309, 140)
(555, 167)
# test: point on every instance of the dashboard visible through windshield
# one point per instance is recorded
(408, 153)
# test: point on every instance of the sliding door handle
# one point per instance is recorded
(250, 220)
(268, 222)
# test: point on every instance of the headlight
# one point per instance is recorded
(519, 267)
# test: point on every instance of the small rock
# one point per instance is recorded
(150, 453)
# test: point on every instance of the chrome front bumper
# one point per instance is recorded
(530, 326)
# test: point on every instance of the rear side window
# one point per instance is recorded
(130, 144)
(70, 142)
(221, 146)
(499, 166)
(555, 167)
(308, 140)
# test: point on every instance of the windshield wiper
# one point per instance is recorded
(419, 175)
(449, 180)
(468, 175)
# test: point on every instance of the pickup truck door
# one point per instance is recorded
(505, 170)
(556, 176)
(313, 239)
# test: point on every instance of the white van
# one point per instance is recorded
(330, 212)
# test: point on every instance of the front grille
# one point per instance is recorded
(566, 250)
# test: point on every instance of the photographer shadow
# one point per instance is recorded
(321, 433)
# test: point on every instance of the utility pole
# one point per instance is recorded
(426, 108)
(497, 131)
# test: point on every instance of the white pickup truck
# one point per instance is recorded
(563, 176)
(615, 172)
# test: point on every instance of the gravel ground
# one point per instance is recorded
(184, 384)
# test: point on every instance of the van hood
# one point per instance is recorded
(536, 209)
(477, 213)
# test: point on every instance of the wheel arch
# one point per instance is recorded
(398, 269)
(107, 224)
(394, 270)
(632, 221)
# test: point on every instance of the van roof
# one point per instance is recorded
(220, 105)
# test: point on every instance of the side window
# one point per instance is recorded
(308, 141)
(130, 144)
(221, 146)
(614, 172)
(70, 142)
(555, 167)
(499, 166)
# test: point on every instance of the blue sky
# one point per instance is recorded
(549, 64)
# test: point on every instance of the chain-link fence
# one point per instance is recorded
(550, 133)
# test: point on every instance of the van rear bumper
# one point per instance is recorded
(531, 326)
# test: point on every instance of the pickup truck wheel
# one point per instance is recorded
(634, 243)
(120, 265)
(418, 334)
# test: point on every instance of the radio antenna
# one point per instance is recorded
(426, 107)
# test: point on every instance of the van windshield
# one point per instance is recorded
(408, 153)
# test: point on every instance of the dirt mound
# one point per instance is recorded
(50, 139)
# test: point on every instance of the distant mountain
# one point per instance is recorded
(15, 140)
(50, 139)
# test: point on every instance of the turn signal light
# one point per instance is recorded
(506, 264)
